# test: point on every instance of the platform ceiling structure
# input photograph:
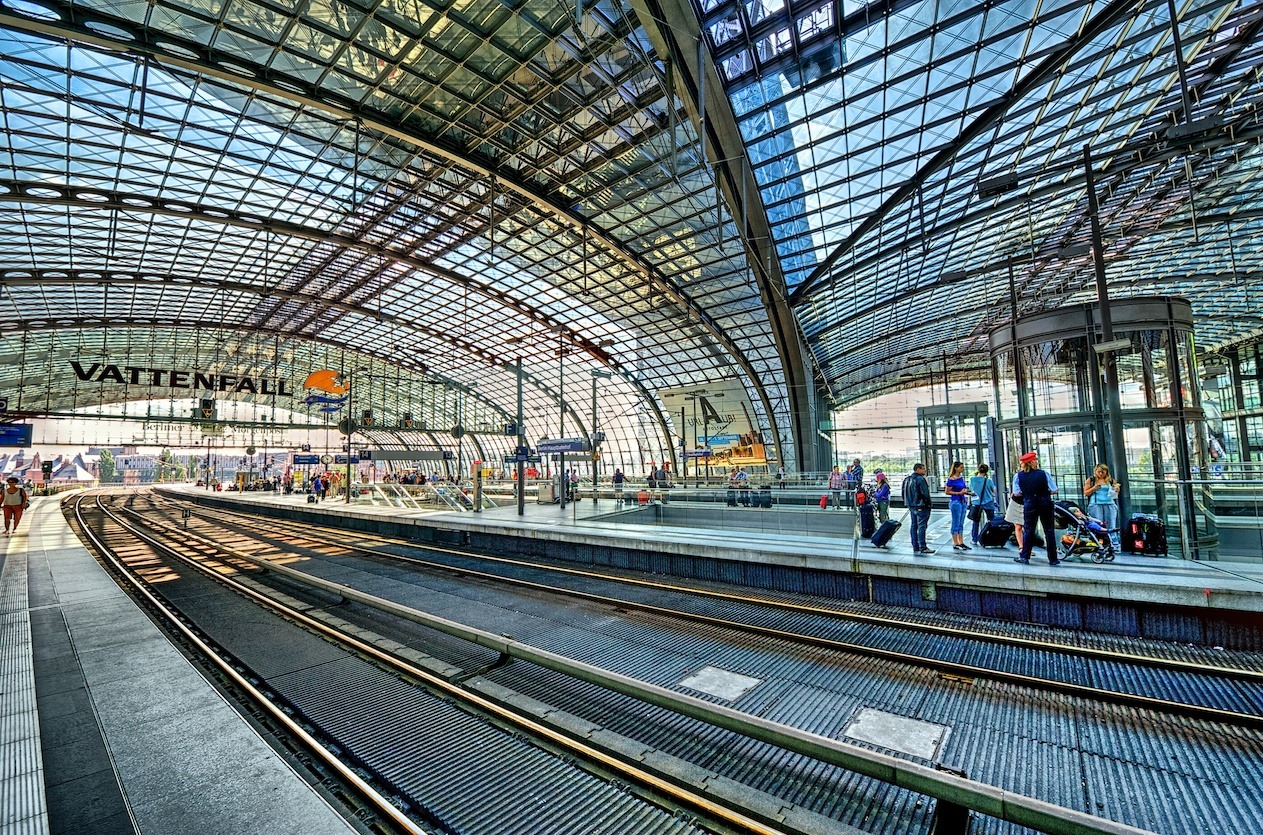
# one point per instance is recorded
(822, 201)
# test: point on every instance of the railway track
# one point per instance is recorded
(1182, 681)
(533, 764)
(238, 542)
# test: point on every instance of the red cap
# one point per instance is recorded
(1028, 458)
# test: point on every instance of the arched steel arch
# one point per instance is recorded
(215, 64)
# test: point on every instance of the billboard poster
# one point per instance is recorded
(717, 414)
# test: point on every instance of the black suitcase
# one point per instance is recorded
(995, 533)
(763, 496)
(1145, 533)
(868, 521)
(885, 532)
(731, 498)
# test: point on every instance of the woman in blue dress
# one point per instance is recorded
(958, 493)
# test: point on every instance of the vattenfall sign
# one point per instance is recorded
(176, 378)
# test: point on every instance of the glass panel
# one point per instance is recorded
(1057, 376)
(1006, 390)
(1061, 451)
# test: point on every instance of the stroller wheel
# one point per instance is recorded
(1098, 557)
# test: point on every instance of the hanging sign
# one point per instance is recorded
(176, 378)
(15, 434)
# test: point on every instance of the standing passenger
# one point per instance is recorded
(916, 495)
(619, 478)
(1037, 488)
(1102, 492)
(837, 483)
(958, 500)
(881, 495)
(983, 488)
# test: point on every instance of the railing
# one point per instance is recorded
(1215, 518)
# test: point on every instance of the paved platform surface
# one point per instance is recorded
(806, 540)
(107, 728)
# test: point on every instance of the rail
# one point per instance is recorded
(945, 787)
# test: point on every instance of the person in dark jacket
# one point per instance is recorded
(916, 495)
(1037, 489)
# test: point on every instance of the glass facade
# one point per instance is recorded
(1066, 417)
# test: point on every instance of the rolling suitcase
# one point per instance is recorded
(642, 497)
(1145, 533)
(885, 532)
(763, 496)
(824, 502)
(995, 534)
(868, 521)
(731, 498)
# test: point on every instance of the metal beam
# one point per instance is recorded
(47, 278)
(171, 49)
(674, 31)
(1111, 14)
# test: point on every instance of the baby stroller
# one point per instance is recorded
(1083, 534)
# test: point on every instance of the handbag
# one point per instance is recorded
(974, 512)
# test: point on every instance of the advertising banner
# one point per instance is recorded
(717, 415)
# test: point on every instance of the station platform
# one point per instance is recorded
(1212, 603)
(107, 728)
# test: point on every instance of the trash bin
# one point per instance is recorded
(547, 494)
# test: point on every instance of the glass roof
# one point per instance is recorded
(445, 186)
(872, 127)
(217, 201)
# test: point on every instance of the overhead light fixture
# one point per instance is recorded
(953, 275)
(995, 186)
(1114, 345)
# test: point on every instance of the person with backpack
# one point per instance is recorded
(16, 500)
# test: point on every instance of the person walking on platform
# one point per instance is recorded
(983, 488)
(618, 479)
(1037, 489)
(916, 495)
(16, 500)
(881, 496)
(958, 501)
(837, 483)
(1101, 491)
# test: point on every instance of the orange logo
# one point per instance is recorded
(326, 381)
